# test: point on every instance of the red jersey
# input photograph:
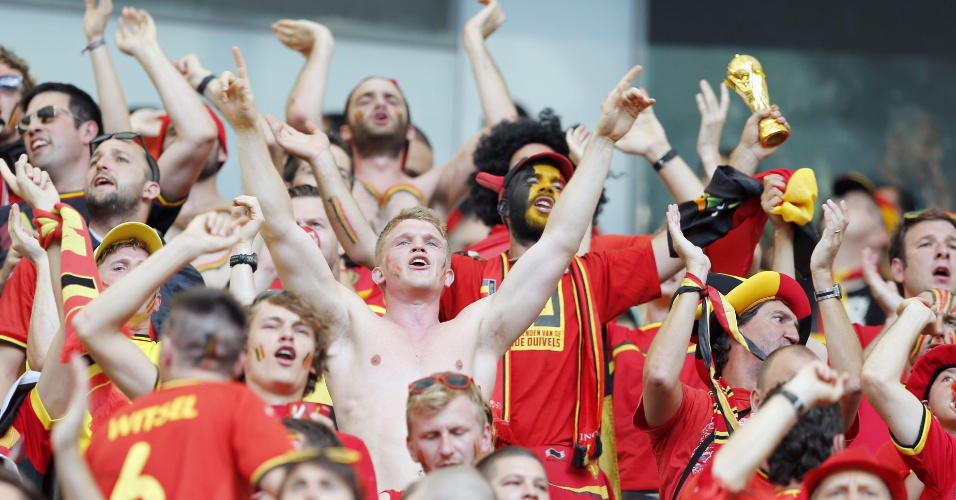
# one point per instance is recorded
(704, 486)
(188, 440)
(617, 280)
(32, 426)
(873, 430)
(931, 458)
(499, 240)
(675, 442)
(16, 304)
(629, 350)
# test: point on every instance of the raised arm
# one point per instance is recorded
(315, 42)
(300, 264)
(496, 102)
(532, 280)
(75, 479)
(663, 394)
(713, 115)
(180, 163)
(748, 154)
(44, 319)
(112, 102)
(242, 284)
(773, 188)
(901, 411)
(647, 138)
(737, 460)
(843, 346)
(353, 231)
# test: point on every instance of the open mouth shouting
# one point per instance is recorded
(941, 273)
(38, 144)
(419, 262)
(544, 204)
(285, 355)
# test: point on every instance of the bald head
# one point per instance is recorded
(450, 483)
(781, 365)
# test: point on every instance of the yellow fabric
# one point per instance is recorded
(799, 198)
(320, 394)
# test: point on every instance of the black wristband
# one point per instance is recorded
(251, 259)
(797, 404)
(662, 162)
(204, 83)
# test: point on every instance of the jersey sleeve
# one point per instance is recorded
(624, 278)
(163, 213)
(259, 440)
(465, 289)
(932, 456)
(16, 302)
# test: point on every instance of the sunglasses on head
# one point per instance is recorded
(916, 213)
(129, 136)
(10, 83)
(45, 115)
(454, 381)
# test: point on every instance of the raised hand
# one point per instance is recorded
(577, 139)
(301, 35)
(304, 146)
(817, 384)
(485, 22)
(212, 232)
(713, 115)
(96, 18)
(136, 31)
(886, 293)
(835, 222)
(22, 240)
(749, 152)
(693, 257)
(238, 103)
(251, 221)
(645, 137)
(772, 196)
(66, 432)
(30, 183)
(621, 107)
(191, 68)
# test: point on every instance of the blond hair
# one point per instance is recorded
(414, 213)
(437, 396)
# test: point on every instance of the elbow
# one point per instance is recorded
(81, 325)
(657, 378)
(871, 382)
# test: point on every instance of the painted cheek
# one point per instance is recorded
(357, 115)
(307, 360)
(260, 353)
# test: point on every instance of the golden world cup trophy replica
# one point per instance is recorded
(746, 77)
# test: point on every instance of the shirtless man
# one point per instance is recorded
(372, 358)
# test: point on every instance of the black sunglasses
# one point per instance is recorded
(45, 114)
(10, 83)
(129, 136)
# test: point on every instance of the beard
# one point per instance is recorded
(382, 142)
(120, 204)
(522, 230)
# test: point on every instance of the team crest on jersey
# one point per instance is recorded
(488, 287)
(553, 454)
(547, 332)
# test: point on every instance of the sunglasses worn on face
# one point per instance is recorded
(10, 83)
(454, 381)
(129, 136)
(45, 114)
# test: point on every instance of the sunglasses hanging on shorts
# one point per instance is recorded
(454, 381)
(45, 114)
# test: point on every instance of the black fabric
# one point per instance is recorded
(10, 153)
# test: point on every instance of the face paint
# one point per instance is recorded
(260, 353)
(357, 115)
(315, 236)
(211, 344)
(307, 360)
(527, 222)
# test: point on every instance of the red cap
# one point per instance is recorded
(497, 183)
(858, 458)
(928, 367)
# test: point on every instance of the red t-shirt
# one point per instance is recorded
(629, 350)
(873, 430)
(16, 302)
(618, 280)
(188, 440)
(675, 441)
(33, 424)
(931, 458)
(758, 487)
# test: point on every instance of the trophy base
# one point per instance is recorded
(772, 133)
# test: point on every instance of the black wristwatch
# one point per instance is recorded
(794, 400)
(245, 258)
(834, 292)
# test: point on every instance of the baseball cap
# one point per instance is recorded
(858, 458)
(928, 367)
(853, 181)
(130, 231)
(498, 183)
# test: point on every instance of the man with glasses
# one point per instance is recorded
(122, 185)
(15, 79)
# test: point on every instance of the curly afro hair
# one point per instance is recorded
(806, 446)
(495, 149)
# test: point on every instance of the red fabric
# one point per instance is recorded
(629, 350)
(367, 289)
(618, 280)
(16, 302)
(568, 482)
(363, 468)
(37, 451)
(889, 457)
(499, 241)
(704, 486)
(932, 459)
(675, 441)
(186, 434)
(873, 430)
(733, 254)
